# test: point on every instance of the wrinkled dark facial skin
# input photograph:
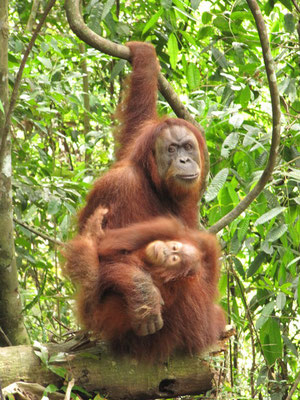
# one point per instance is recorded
(177, 155)
(171, 254)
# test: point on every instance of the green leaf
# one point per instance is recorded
(235, 244)
(152, 21)
(239, 267)
(240, 15)
(173, 50)
(216, 184)
(43, 353)
(206, 17)
(189, 38)
(256, 263)
(45, 61)
(106, 9)
(245, 96)
(117, 69)
(195, 4)
(206, 31)
(280, 301)
(60, 371)
(243, 227)
(269, 215)
(287, 4)
(31, 213)
(290, 345)
(1, 107)
(193, 76)
(289, 23)
(54, 206)
(271, 341)
(276, 232)
(221, 23)
(265, 314)
(229, 143)
(220, 58)
(51, 388)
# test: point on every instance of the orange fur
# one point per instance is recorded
(125, 283)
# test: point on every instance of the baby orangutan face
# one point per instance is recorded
(171, 254)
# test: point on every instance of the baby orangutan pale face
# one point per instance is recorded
(171, 253)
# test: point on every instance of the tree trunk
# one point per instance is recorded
(94, 369)
(12, 328)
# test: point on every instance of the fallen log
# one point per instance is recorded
(95, 369)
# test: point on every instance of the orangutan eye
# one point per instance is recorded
(172, 148)
(174, 259)
(188, 147)
(174, 247)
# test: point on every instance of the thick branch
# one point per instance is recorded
(276, 114)
(93, 368)
(15, 91)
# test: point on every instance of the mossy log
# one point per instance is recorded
(94, 368)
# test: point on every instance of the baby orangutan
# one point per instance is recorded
(161, 301)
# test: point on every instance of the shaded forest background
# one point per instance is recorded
(62, 140)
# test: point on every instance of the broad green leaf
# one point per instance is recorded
(298, 292)
(280, 301)
(271, 341)
(117, 69)
(51, 388)
(54, 206)
(189, 38)
(235, 244)
(244, 96)
(220, 58)
(206, 17)
(294, 174)
(173, 50)
(60, 371)
(229, 143)
(289, 23)
(193, 76)
(243, 227)
(290, 345)
(287, 4)
(41, 352)
(269, 215)
(239, 267)
(265, 314)
(216, 184)
(106, 9)
(256, 263)
(276, 232)
(233, 194)
(236, 120)
(221, 23)
(240, 15)
(206, 31)
(195, 4)
(1, 107)
(31, 213)
(45, 61)
(152, 21)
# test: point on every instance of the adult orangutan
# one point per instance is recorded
(160, 167)
(179, 266)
